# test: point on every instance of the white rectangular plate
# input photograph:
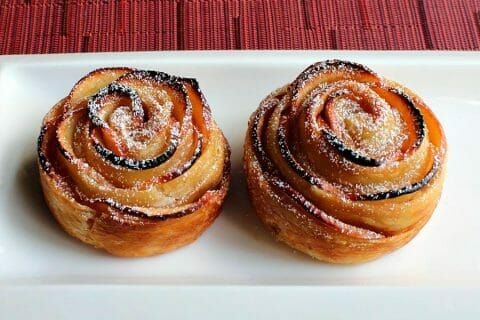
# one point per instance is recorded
(236, 263)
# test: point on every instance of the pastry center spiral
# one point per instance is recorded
(342, 131)
(129, 138)
(360, 119)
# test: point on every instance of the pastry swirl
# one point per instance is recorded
(343, 164)
(132, 161)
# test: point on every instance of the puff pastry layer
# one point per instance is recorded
(132, 162)
(343, 164)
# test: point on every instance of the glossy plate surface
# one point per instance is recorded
(236, 257)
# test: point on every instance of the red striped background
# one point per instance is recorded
(40, 26)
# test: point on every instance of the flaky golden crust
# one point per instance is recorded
(113, 203)
(131, 236)
(339, 215)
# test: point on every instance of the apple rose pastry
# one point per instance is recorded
(344, 165)
(132, 162)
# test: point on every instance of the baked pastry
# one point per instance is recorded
(132, 162)
(343, 164)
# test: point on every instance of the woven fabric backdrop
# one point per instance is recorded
(41, 26)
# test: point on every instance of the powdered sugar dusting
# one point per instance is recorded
(136, 137)
(376, 137)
